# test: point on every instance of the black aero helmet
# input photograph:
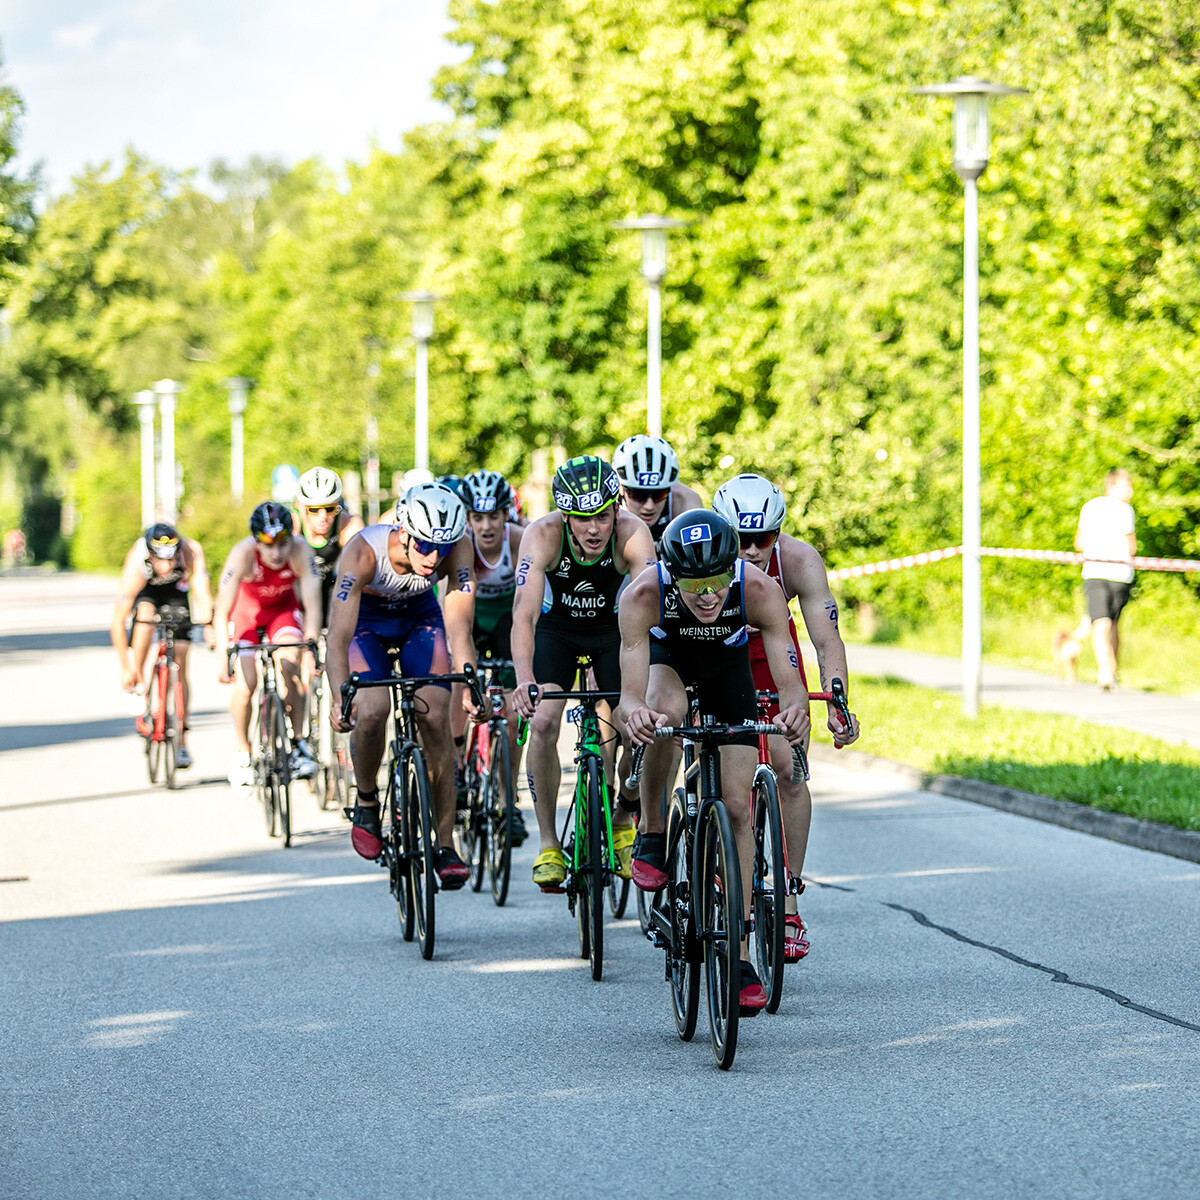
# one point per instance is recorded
(699, 544)
(162, 540)
(271, 522)
(486, 491)
(584, 486)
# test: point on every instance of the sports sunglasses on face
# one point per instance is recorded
(710, 583)
(442, 548)
(643, 494)
(764, 541)
(322, 508)
(274, 537)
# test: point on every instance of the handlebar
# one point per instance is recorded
(716, 733)
(356, 683)
(264, 648)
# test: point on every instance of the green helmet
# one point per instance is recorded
(584, 486)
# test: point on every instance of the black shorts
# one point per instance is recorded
(1105, 598)
(171, 607)
(497, 643)
(557, 648)
(722, 680)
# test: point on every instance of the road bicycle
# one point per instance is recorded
(333, 780)
(698, 918)
(271, 747)
(484, 827)
(409, 826)
(773, 881)
(161, 723)
(587, 833)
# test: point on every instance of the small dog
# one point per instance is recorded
(1066, 647)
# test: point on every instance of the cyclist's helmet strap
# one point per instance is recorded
(585, 485)
(699, 543)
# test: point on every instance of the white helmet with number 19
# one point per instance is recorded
(643, 461)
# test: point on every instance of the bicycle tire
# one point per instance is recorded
(396, 851)
(283, 768)
(646, 901)
(154, 743)
(501, 814)
(618, 896)
(170, 725)
(683, 955)
(468, 825)
(594, 878)
(719, 885)
(268, 779)
(421, 850)
(769, 886)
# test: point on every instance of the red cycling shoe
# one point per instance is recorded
(452, 872)
(752, 998)
(366, 836)
(649, 860)
(795, 938)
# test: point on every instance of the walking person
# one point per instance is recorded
(1105, 537)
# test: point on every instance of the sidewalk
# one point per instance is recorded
(1172, 718)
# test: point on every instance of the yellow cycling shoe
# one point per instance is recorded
(550, 869)
(623, 836)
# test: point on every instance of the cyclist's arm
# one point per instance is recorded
(352, 523)
(635, 545)
(309, 578)
(201, 585)
(805, 577)
(538, 547)
(237, 568)
(684, 497)
(133, 577)
(639, 611)
(355, 569)
(459, 602)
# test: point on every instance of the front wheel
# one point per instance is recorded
(283, 769)
(500, 814)
(396, 843)
(154, 741)
(683, 954)
(719, 888)
(769, 886)
(594, 878)
(170, 722)
(421, 850)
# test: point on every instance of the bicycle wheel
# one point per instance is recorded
(283, 768)
(154, 743)
(683, 955)
(618, 895)
(769, 888)
(266, 768)
(719, 886)
(594, 880)
(469, 821)
(396, 843)
(501, 813)
(646, 902)
(170, 724)
(421, 850)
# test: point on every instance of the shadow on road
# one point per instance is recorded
(40, 643)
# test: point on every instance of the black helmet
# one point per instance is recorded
(271, 522)
(162, 540)
(699, 544)
(585, 486)
(486, 491)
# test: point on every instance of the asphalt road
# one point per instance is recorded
(992, 1006)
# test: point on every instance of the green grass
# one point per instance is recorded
(1061, 757)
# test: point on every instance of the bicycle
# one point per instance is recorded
(271, 753)
(699, 917)
(159, 725)
(410, 837)
(773, 880)
(484, 827)
(334, 779)
(591, 858)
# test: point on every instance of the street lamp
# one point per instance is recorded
(239, 391)
(422, 331)
(145, 402)
(971, 97)
(654, 267)
(371, 464)
(167, 390)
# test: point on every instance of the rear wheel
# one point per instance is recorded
(769, 889)
(421, 849)
(719, 886)
(500, 813)
(683, 955)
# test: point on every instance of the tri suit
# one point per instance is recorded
(168, 593)
(495, 590)
(267, 600)
(763, 680)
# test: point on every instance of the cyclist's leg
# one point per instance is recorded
(554, 666)
(368, 740)
(607, 667)
(140, 637)
(245, 683)
(665, 694)
(181, 658)
(286, 627)
(737, 777)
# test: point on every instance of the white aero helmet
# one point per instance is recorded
(432, 513)
(643, 461)
(415, 475)
(751, 504)
(319, 486)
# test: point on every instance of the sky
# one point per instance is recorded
(188, 82)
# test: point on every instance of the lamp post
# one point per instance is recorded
(145, 402)
(167, 390)
(971, 97)
(371, 464)
(654, 267)
(239, 391)
(422, 331)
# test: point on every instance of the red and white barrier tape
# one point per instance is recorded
(1051, 556)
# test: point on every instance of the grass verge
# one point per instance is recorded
(1061, 757)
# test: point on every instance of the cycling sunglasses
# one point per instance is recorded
(709, 583)
(643, 494)
(764, 541)
(164, 547)
(322, 508)
(442, 548)
(274, 537)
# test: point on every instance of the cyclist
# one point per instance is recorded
(161, 570)
(574, 559)
(648, 471)
(755, 507)
(386, 596)
(325, 524)
(258, 590)
(497, 540)
(685, 623)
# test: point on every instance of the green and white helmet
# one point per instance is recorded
(584, 486)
